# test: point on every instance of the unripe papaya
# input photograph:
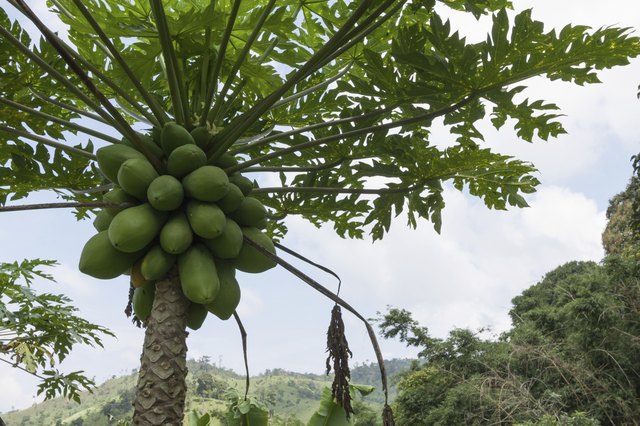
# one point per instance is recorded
(198, 274)
(176, 235)
(232, 200)
(111, 157)
(149, 143)
(224, 161)
(137, 279)
(202, 137)
(135, 176)
(185, 159)
(118, 196)
(207, 183)
(102, 220)
(156, 135)
(228, 244)
(250, 212)
(244, 183)
(156, 263)
(174, 135)
(229, 294)
(262, 224)
(250, 259)
(100, 259)
(206, 219)
(165, 193)
(134, 228)
(196, 314)
(142, 300)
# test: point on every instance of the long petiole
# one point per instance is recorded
(120, 123)
(354, 133)
(238, 88)
(332, 190)
(329, 294)
(68, 107)
(54, 144)
(295, 169)
(172, 68)
(354, 118)
(58, 120)
(241, 57)
(312, 89)
(43, 206)
(151, 102)
(367, 27)
(222, 49)
(55, 74)
(230, 134)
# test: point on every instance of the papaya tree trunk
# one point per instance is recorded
(162, 388)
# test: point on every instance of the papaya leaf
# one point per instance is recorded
(245, 412)
(329, 413)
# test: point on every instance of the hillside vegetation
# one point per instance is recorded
(291, 397)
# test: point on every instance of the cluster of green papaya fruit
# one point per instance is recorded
(195, 217)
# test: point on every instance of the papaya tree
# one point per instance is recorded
(193, 130)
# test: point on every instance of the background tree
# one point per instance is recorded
(569, 358)
(623, 215)
(38, 330)
(333, 101)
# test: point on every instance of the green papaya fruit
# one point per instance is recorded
(134, 228)
(196, 314)
(174, 135)
(142, 300)
(185, 159)
(262, 224)
(229, 294)
(135, 175)
(244, 183)
(198, 274)
(250, 259)
(156, 133)
(102, 220)
(224, 161)
(202, 137)
(137, 279)
(207, 183)
(111, 157)
(149, 143)
(206, 219)
(165, 193)
(250, 212)
(100, 259)
(118, 196)
(156, 263)
(176, 235)
(228, 244)
(232, 200)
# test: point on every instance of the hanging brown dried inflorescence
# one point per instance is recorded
(339, 355)
(128, 311)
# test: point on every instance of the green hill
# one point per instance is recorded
(291, 397)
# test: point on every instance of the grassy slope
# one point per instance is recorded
(288, 394)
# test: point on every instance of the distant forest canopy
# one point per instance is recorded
(570, 358)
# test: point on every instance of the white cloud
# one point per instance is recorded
(468, 275)
(17, 389)
(567, 219)
(251, 304)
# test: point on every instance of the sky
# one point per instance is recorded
(465, 276)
